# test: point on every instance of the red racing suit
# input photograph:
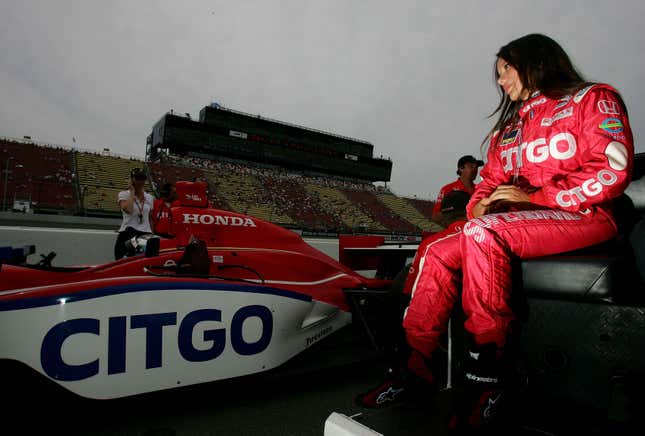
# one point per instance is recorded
(161, 217)
(572, 156)
(411, 278)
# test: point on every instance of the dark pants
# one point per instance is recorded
(119, 247)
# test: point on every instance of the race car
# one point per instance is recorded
(230, 295)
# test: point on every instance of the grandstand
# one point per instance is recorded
(403, 208)
(351, 215)
(100, 179)
(56, 179)
(245, 194)
(302, 205)
(370, 204)
(423, 206)
(40, 176)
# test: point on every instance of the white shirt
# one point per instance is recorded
(132, 219)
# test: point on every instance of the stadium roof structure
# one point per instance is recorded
(232, 134)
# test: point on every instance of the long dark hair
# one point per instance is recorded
(542, 65)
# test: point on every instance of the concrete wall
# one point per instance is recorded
(58, 221)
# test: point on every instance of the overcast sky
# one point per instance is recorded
(412, 77)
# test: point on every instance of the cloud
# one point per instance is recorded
(413, 78)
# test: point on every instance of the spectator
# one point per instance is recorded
(467, 168)
(135, 205)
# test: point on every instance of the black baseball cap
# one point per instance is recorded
(138, 174)
(469, 159)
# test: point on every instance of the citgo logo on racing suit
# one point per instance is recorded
(538, 151)
(563, 146)
(154, 323)
(589, 188)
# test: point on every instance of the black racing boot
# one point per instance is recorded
(392, 390)
(486, 405)
(410, 376)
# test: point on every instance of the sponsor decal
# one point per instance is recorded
(617, 155)
(193, 197)
(580, 94)
(615, 136)
(491, 407)
(560, 147)
(611, 125)
(609, 107)
(218, 220)
(237, 134)
(321, 334)
(389, 395)
(533, 104)
(562, 102)
(328, 234)
(509, 137)
(114, 334)
(402, 238)
(480, 379)
(351, 157)
(529, 215)
(565, 113)
(589, 188)
(476, 228)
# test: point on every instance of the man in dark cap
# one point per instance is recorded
(467, 168)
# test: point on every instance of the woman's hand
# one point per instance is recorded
(508, 193)
(481, 208)
(128, 205)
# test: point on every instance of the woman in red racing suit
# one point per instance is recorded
(559, 153)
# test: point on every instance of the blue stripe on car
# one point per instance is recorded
(50, 300)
